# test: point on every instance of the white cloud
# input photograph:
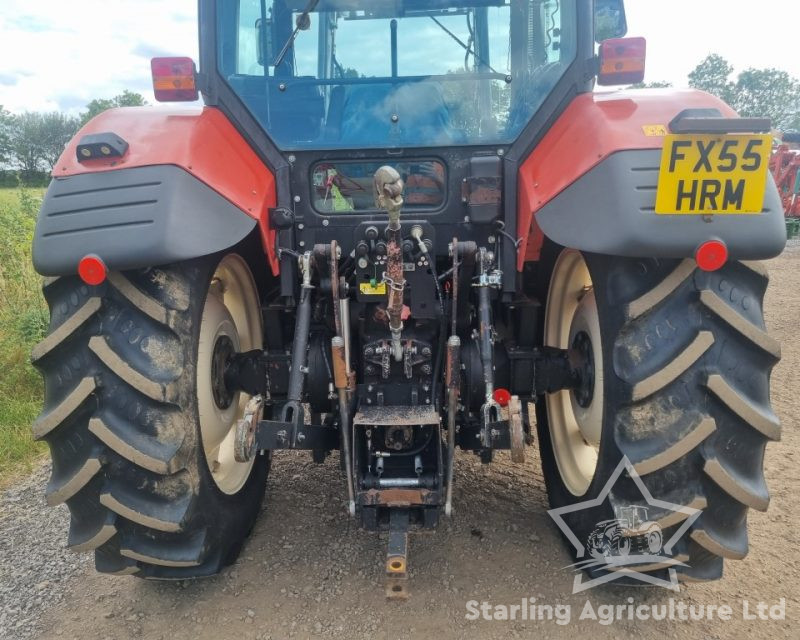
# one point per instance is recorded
(680, 33)
(61, 55)
(56, 54)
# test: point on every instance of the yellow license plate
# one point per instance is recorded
(713, 174)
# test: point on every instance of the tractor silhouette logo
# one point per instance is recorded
(631, 532)
(632, 545)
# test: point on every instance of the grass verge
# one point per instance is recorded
(23, 322)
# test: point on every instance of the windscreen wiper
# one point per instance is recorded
(303, 22)
(466, 47)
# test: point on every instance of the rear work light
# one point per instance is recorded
(101, 145)
(174, 79)
(622, 61)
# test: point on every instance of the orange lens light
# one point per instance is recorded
(174, 79)
(92, 270)
(622, 61)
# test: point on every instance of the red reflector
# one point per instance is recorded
(622, 61)
(174, 79)
(502, 397)
(711, 255)
(92, 270)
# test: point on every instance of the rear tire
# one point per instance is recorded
(685, 370)
(122, 418)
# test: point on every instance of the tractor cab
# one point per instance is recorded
(451, 93)
(394, 73)
(632, 516)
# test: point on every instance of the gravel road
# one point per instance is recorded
(307, 571)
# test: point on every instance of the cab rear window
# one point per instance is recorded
(346, 187)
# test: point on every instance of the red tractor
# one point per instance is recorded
(393, 228)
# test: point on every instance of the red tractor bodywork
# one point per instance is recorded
(593, 127)
(201, 141)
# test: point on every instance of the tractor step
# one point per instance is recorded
(397, 415)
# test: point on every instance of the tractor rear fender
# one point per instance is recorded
(590, 184)
(187, 185)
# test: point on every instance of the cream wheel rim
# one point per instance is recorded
(231, 321)
(575, 423)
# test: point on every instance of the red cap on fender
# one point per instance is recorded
(92, 269)
(711, 255)
(502, 397)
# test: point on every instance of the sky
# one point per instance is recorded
(59, 55)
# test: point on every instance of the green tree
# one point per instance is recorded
(124, 99)
(713, 75)
(349, 72)
(57, 130)
(755, 92)
(5, 136)
(771, 93)
(38, 139)
(27, 142)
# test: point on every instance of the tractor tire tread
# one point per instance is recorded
(120, 419)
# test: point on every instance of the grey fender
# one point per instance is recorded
(611, 210)
(133, 218)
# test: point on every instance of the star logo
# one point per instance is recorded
(629, 540)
